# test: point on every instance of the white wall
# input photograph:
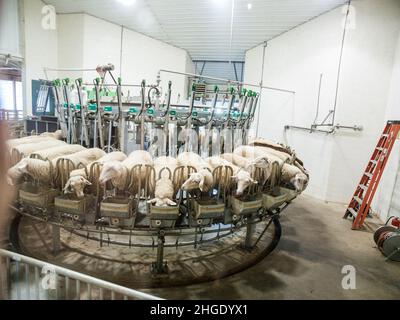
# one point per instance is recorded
(95, 41)
(295, 61)
(385, 191)
(143, 57)
(70, 44)
(40, 48)
(9, 27)
(83, 41)
(368, 61)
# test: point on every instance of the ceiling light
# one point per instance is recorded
(126, 2)
(220, 2)
(249, 6)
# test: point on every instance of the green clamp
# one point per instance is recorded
(232, 90)
(97, 81)
(119, 81)
(193, 87)
(216, 89)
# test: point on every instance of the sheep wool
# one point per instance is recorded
(27, 149)
(119, 172)
(78, 179)
(164, 189)
(53, 153)
(203, 178)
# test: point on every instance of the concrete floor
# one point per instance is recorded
(316, 243)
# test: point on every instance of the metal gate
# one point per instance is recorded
(25, 278)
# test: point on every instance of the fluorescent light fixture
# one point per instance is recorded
(249, 6)
(126, 2)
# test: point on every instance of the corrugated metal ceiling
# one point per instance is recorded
(208, 29)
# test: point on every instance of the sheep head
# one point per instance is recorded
(77, 184)
(13, 175)
(243, 180)
(59, 135)
(111, 170)
(299, 181)
(260, 162)
(195, 181)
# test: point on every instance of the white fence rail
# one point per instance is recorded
(30, 279)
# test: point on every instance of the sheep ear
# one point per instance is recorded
(87, 182)
(171, 203)
(152, 201)
(67, 186)
(253, 181)
(10, 181)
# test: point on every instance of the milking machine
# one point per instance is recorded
(105, 116)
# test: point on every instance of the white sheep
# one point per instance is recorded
(55, 152)
(119, 172)
(37, 169)
(285, 157)
(294, 176)
(252, 153)
(165, 189)
(78, 179)
(258, 162)
(27, 149)
(56, 135)
(27, 140)
(265, 163)
(202, 179)
(240, 175)
(40, 170)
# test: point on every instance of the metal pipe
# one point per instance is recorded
(333, 128)
(226, 80)
(319, 98)
(340, 62)
(79, 276)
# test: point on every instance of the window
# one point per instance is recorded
(11, 95)
(6, 95)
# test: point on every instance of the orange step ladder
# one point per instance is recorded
(361, 201)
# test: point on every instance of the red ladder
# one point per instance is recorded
(361, 202)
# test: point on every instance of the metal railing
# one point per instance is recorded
(11, 115)
(30, 279)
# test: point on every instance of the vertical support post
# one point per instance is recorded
(4, 278)
(249, 232)
(159, 266)
(56, 239)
